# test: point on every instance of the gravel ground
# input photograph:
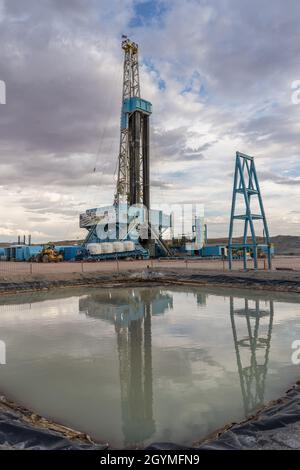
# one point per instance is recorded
(15, 269)
(285, 281)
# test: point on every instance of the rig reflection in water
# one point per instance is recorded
(131, 312)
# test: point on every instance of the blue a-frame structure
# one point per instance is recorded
(246, 183)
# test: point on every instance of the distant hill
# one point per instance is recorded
(67, 242)
(284, 244)
(58, 243)
(287, 245)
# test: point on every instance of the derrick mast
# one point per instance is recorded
(137, 234)
(133, 185)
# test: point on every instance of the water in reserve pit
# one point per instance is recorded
(137, 365)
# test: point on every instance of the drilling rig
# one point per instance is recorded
(129, 227)
(133, 186)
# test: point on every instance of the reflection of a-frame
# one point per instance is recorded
(252, 376)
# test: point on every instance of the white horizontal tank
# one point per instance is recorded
(118, 247)
(107, 248)
(94, 248)
(129, 246)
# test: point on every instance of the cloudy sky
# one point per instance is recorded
(219, 74)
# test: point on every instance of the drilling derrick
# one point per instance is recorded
(133, 186)
(110, 228)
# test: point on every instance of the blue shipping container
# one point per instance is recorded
(69, 252)
(214, 250)
(30, 251)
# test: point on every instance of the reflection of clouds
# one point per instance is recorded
(45, 309)
(191, 327)
(187, 364)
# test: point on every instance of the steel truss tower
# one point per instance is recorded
(133, 186)
(246, 184)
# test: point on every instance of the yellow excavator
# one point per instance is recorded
(49, 255)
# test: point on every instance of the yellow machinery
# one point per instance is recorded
(49, 255)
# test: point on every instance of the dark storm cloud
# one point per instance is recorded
(55, 103)
(45, 206)
(160, 184)
(173, 144)
(273, 126)
(190, 154)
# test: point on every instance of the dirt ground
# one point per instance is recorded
(17, 269)
(17, 277)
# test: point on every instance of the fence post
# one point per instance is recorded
(82, 267)
(31, 268)
(118, 266)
